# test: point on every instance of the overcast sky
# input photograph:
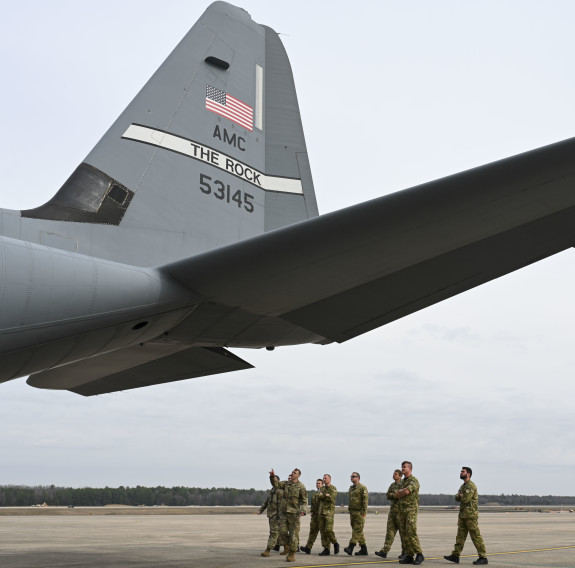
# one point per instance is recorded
(484, 379)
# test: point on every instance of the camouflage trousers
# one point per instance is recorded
(313, 530)
(326, 529)
(289, 530)
(274, 531)
(357, 521)
(297, 528)
(392, 528)
(471, 527)
(408, 530)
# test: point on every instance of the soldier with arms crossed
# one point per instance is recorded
(468, 520)
(294, 505)
(408, 497)
(392, 517)
(357, 510)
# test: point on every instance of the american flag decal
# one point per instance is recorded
(224, 104)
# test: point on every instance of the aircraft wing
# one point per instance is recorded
(138, 366)
(348, 272)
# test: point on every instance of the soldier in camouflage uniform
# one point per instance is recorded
(327, 496)
(408, 497)
(293, 506)
(297, 526)
(314, 521)
(392, 517)
(273, 505)
(468, 520)
(357, 511)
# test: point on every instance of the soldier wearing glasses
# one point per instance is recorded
(357, 511)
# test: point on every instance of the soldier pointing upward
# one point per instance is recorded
(293, 505)
(273, 505)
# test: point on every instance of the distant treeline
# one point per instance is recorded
(19, 495)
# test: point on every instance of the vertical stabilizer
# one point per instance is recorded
(210, 152)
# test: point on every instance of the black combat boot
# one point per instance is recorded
(362, 551)
(452, 558)
(402, 556)
(349, 549)
(305, 549)
(407, 560)
(419, 559)
(324, 552)
(481, 561)
(381, 553)
(276, 548)
(336, 548)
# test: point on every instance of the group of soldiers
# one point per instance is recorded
(287, 503)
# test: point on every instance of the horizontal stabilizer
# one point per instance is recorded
(140, 366)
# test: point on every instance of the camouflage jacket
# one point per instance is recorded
(273, 503)
(314, 507)
(326, 497)
(294, 496)
(469, 501)
(411, 501)
(358, 498)
(394, 507)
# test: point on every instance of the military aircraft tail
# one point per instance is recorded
(210, 152)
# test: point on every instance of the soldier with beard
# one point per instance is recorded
(468, 520)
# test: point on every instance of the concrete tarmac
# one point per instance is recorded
(236, 540)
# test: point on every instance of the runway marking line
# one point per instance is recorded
(437, 557)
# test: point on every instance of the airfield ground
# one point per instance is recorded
(220, 537)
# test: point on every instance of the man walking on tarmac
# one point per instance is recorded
(273, 505)
(293, 505)
(357, 511)
(467, 522)
(327, 495)
(314, 521)
(392, 517)
(408, 497)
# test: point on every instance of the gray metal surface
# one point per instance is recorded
(139, 366)
(350, 271)
(193, 224)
